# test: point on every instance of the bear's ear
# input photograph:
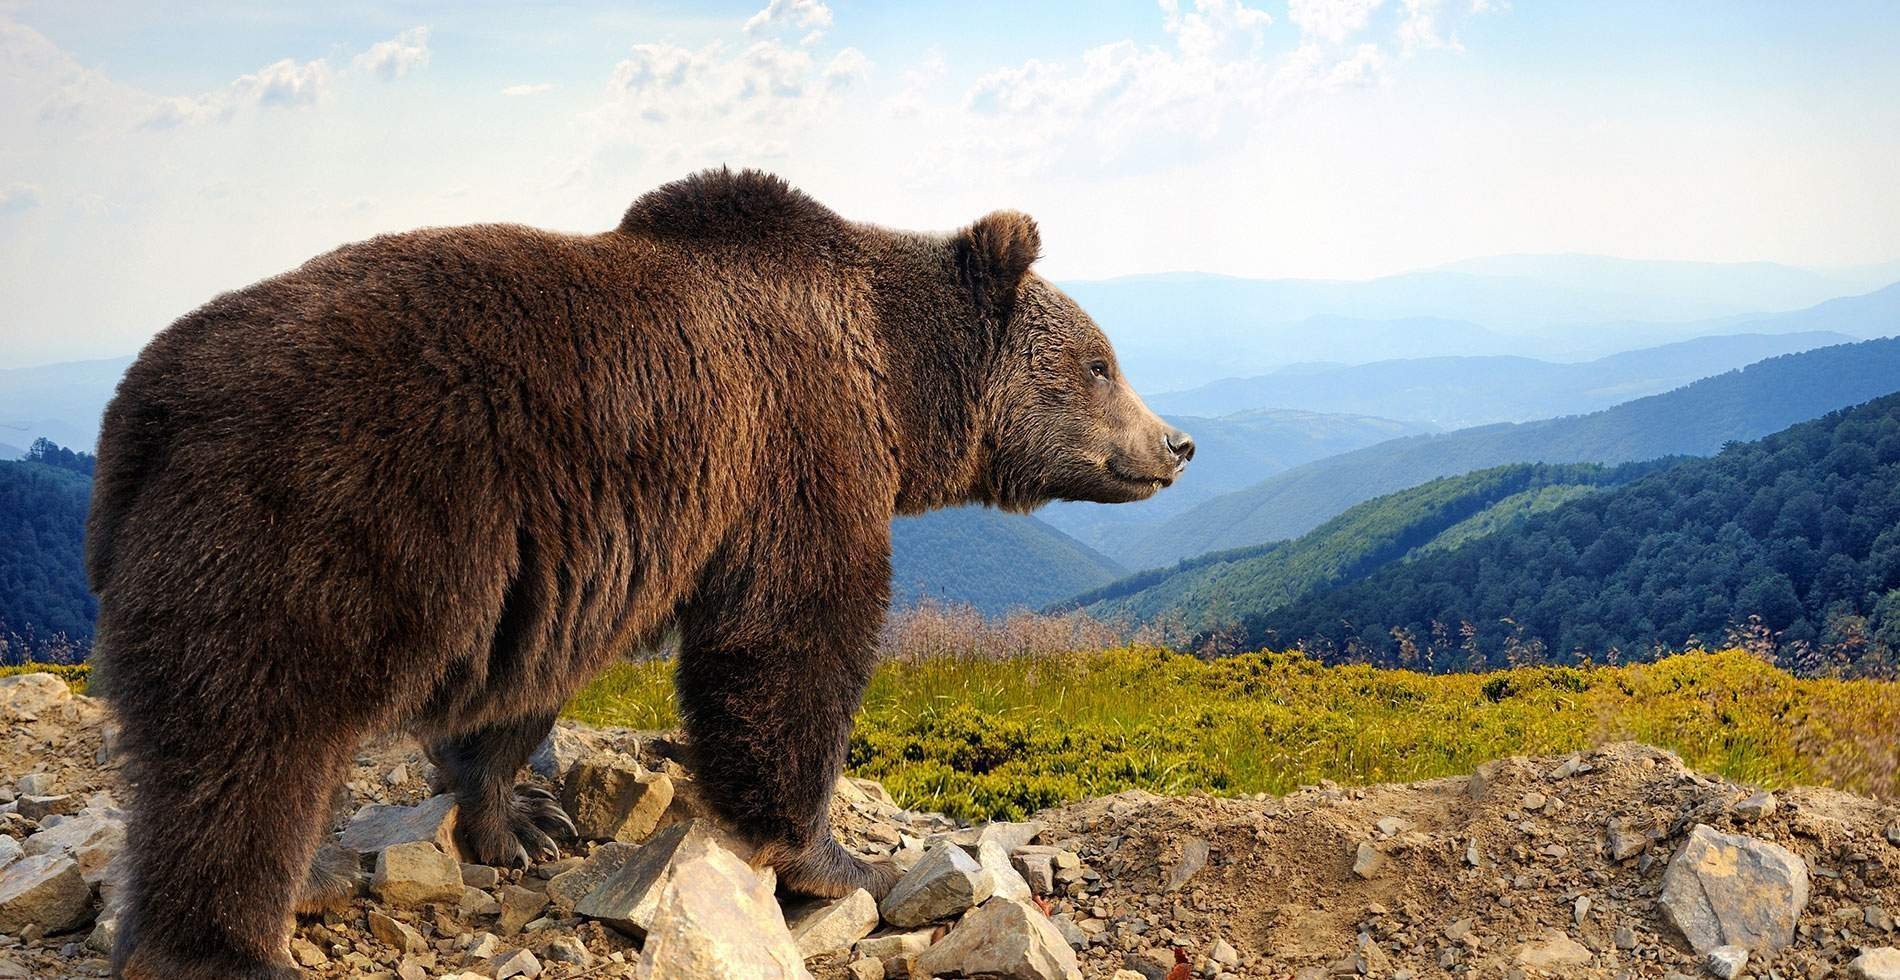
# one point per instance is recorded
(994, 254)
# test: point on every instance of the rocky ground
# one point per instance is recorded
(1619, 862)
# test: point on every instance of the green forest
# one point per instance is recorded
(46, 613)
(1790, 544)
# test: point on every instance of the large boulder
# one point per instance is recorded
(630, 897)
(1731, 890)
(945, 883)
(1007, 939)
(611, 797)
(417, 873)
(825, 925)
(24, 696)
(376, 828)
(46, 890)
(716, 919)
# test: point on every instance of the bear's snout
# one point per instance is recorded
(1181, 445)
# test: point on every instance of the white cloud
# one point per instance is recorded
(811, 16)
(288, 83)
(532, 89)
(398, 56)
(1331, 20)
(677, 106)
(1214, 25)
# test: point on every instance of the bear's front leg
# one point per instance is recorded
(773, 664)
(501, 823)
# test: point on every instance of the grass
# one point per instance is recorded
(1001, 736)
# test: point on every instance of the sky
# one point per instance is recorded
(153, 154)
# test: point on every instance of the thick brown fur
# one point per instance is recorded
(435, 481)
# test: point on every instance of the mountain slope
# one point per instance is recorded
(1232, 452)
(1218, 589)
(989, 559)
(1456, 392)
(62, 402)
(1694, 420)
(1800, 529)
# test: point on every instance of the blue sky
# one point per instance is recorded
(156, 154)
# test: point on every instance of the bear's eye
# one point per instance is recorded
(1099, 369)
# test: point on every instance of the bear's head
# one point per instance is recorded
(1060, 421)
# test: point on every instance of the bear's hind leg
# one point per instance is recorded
(501, 823)
(226, 816)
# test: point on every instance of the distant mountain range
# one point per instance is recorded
(1457, 392)
(991, 560)
(1218, 590)
(1790, 544)
(1694, 420)
(1178, 331)
(1233, 452)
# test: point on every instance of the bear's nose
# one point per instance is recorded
(1181, 445)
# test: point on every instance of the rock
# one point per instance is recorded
(1553, 952)
(397, 775)
(519, 906)
(519, 963)
(10, 851)
(1224, 954)
(1193, 859)
(41, 807)
(865, 969)
(307, 953)
(1893, 833)
(611, 797)
(89, 828)
(1006, 939)
(872, 789)
(717, 920)
(475, 902)
(1625, 839)
(558, 753)
(36, 784)
(377, 827)
(480, 876)
(24, 696)
(1759, 806)
(1875, 964)
(1366, 860)
(484, 946)
(1490, 774)
(44, 890)
(569, 887)
(395, 934)
(1012, 836)
(628, 897)
(894, 946)
(945, 883)
(1393, 826)
(416, 873)
(1038, 871)
(1726, 962)
(1729, 890)
(1151, 964)
(1004, 880)
(568, 949)
(822, 926)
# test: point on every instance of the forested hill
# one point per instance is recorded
(1693, 420)
(1213, 591)
(1801, 529)
(989, 559)
(42, 579)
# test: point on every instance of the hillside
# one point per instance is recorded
(1458, 392)
(1232, 452)
(1693, 420)
(1493, 824)
(42, 581)
(1216, 590)
(1791, 543)
(989, 559)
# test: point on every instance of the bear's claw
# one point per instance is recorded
(524, 835)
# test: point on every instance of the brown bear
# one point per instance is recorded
(436, 481)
